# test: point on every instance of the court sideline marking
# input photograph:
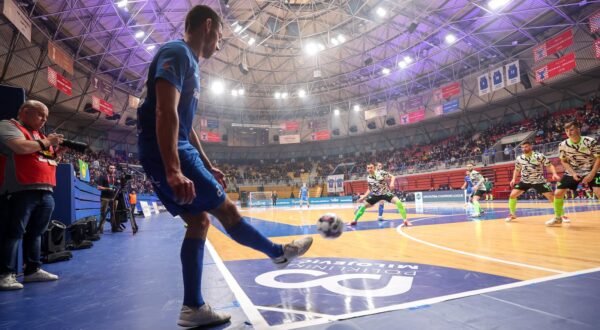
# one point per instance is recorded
(254, 316)
(508, 262)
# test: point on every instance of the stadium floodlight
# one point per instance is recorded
(334, 41)
(122, 3)
(140, 34)
(234, 92)
(356, 107)
(495, 4)
(341, 38)
(284, 95)
(277, 95)
(312, 48)
(381, 12)
(217, 87)
(150, 47)
(301, 93)
(241, 91)
(450, 39)
(251, 41)
(408, 59)
(336, 112)
(385, 71)
(402, 64)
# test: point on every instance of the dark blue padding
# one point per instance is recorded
(74, 198)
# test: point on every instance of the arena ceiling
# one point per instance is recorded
(295, 56)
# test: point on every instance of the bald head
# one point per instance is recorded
(33, 114)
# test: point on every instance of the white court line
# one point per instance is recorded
(293, 311)
(508, 262)
(431, 301)
(254, 316)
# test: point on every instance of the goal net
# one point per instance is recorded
(260, 198)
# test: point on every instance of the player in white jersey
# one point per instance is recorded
(479, 189)
(580, 156)
(530, 166)
(379, 189)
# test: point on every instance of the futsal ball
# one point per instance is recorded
(330, 226)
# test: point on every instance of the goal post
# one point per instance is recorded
(260, 198)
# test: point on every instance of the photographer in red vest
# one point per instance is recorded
(27, 177)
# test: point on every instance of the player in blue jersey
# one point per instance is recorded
(468, 186)
(183, 177)
(379, 167)
(304, 196)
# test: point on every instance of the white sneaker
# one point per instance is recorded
(292, 251)
(475, 215)
(40, 276)
(201, 316)
(565, 219)
(554, 221)
(510, 218)
(379, 218)
(9, 282)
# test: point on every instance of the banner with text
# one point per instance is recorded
(290, 126)
(102, 106)
(513, 73)
(209, 123)
(288, 139)
(597, 48)
(60, 57)
(335, 183)
(210, 136)
(373, 113)
(59, 82)
(484, 84)
(412, 117)
(450, 106)
(555, 68)
(553, 45)
(320, 135)
(497, 78)
(411, 104)
(19, 18)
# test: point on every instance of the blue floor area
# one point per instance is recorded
(569, 303)
(123, 282)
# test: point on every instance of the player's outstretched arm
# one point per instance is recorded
(555, 175)
(516, 173)
(569, 169)
(167, 130)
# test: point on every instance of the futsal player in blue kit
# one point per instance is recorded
(183, 177)
(468, 186)
(304, 196)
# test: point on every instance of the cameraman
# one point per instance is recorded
(108, 185)
(27, 176)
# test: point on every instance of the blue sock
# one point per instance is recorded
(247, 235)
(192, 255)
(380, 210)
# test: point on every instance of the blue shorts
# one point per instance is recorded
(209, 193)
(304, 198)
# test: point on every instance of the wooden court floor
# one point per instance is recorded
(448, 252)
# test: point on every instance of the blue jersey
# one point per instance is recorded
(303, 192)
(469, 184)
(176, 63)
